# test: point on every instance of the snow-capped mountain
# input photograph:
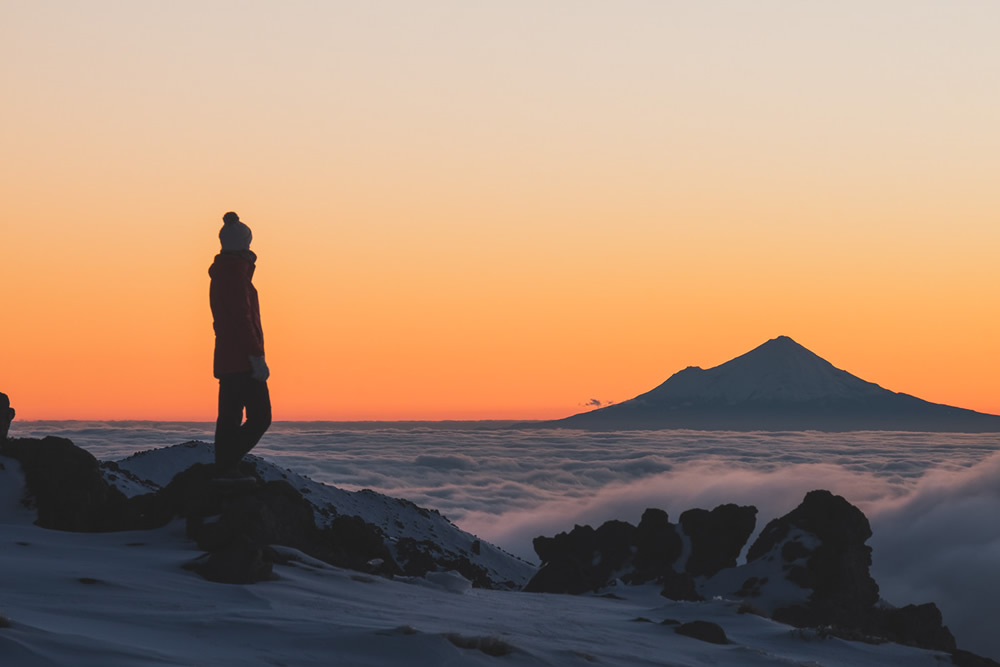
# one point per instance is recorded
(779, 385)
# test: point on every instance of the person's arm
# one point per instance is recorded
(239, 314)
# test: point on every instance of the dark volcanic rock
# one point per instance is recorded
(680, 586)
(65, 485)
(583, 559)
(245, 521)
(272, 513)
(614, 544)
(706, 631)
(562, 574)
(717, 537)
(569, 563)
(586, 559)
(241, 561)
(836, 569)
(961, 658)
(580, 540)
(657, 547)
(419, 557)
(914, 625)
(235, 524)
(353, 543)
(820, 546)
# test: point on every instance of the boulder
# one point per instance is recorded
(583, 559)
(568, 563)
(820, 545)
(418, 558)
(241, 561)
(65, 485)
(717, 537)
(913, 625)
(706, 631)
(353, 543)
(657, 547)
(680, 586)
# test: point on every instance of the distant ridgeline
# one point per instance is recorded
(779, 386)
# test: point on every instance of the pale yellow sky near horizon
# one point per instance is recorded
(495, 209)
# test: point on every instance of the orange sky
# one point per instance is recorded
(495, 210)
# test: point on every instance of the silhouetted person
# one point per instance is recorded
(6, 415)
(239, 349)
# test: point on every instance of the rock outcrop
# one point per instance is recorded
(235, 526)
(820, 548)
(808, 568)
(586, 559)
(66, 486)
(717, 537)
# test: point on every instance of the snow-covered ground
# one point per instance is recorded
(112, 599)
(932, 498)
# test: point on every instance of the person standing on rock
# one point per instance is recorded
(239, 350)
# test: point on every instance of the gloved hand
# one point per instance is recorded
(258, 369)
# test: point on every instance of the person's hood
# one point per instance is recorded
(244, 261)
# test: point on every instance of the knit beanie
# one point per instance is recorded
(234, 235)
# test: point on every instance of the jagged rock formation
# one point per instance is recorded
(779, 386)
(717, 537)
(809, 568)
(820, 545)
(68, 489)
(586, 559)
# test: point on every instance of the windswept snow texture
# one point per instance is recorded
(124, 600)
(932, 498)
(397, 517)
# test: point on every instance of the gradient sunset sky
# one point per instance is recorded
(503, 209)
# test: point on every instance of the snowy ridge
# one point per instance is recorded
(150, 470)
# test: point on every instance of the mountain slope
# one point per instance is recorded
(779, 385)
(399, 520)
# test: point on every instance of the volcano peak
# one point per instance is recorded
(779, 385)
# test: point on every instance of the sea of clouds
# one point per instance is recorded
(932, 498)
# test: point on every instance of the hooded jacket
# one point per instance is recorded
(235, 313)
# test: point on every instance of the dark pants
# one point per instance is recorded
(233, 439)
